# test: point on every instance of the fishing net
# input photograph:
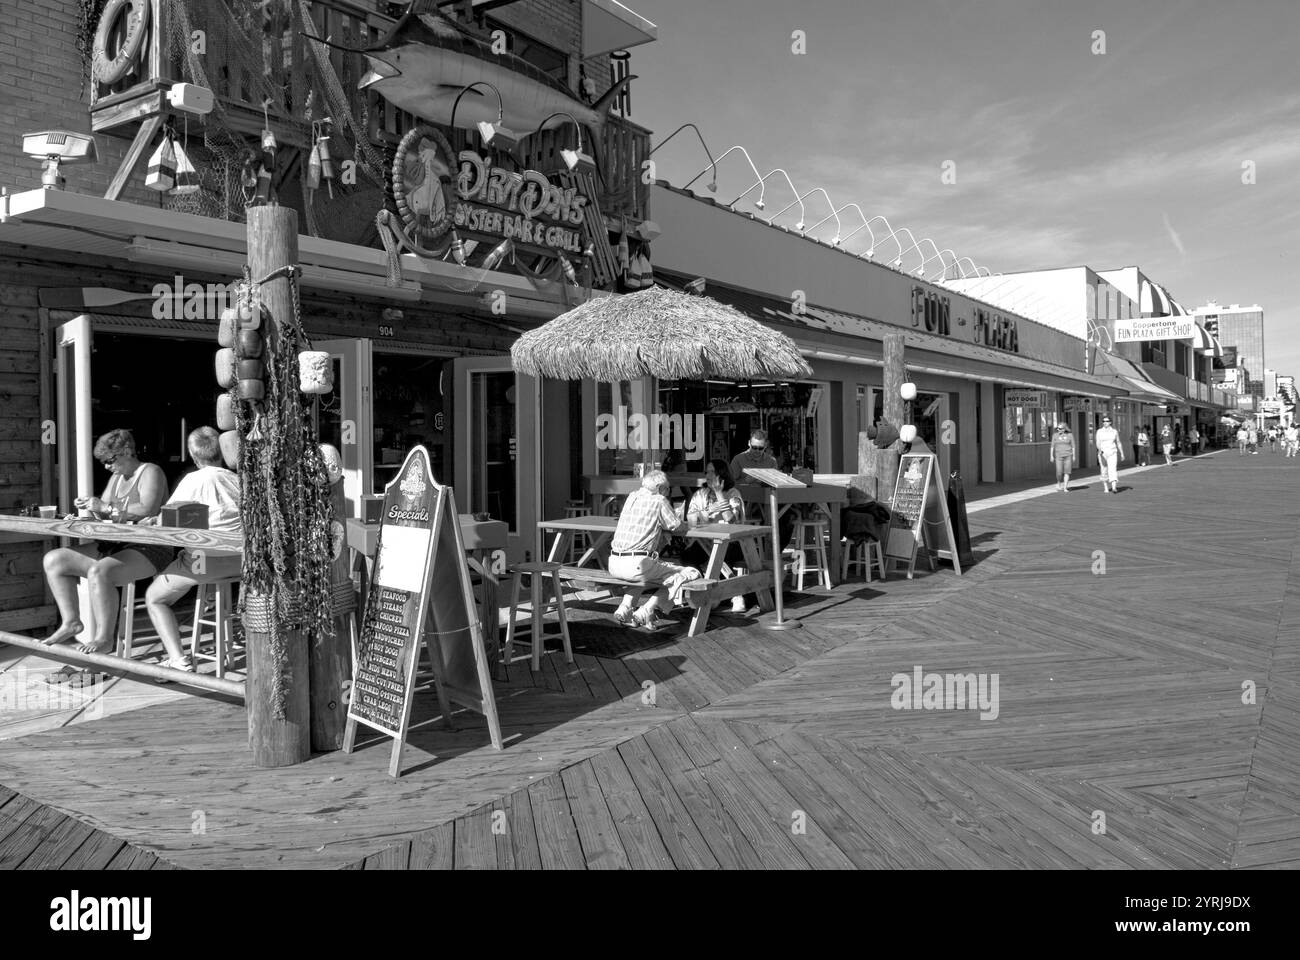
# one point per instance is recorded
(252, 42)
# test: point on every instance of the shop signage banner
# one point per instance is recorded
(521, 206)
(1155, 328)
(919, 513)
(1026, 398)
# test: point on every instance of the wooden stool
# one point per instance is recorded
(219, 622)
(538, 575)
(126, 638)
(577, 508)
(816, 529)
(864, 554)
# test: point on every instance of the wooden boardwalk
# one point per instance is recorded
(1147, 651)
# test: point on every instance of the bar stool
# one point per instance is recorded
(538, 574)
(126, 611)
(802, 545)
(864, 554)
(219, 622)
(573, 509)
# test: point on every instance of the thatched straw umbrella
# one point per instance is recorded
(657, 333)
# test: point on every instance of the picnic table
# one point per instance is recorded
(593, 565)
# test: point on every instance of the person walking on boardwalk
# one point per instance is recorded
(1291, 438)
(1143, 457)
(1062, 456)
(1193, 441)
(1167, 444)
(1272, 439)
(1243, 438)
(1252, 440)
(1110, 454)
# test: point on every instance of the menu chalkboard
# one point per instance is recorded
(420, 591)
(919, 514)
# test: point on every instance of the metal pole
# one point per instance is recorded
(778, 572)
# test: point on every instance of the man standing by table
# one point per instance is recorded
(646, 518)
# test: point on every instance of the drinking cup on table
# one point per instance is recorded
(49, 512)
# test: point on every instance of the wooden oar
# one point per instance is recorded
(86, 298)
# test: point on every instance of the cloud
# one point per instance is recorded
(1176, 240)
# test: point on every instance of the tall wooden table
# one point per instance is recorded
(776, 501)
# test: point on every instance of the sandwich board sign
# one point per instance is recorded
(420, 593)
(919, 514)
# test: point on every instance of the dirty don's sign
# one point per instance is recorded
(525, 207)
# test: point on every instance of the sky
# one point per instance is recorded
(1061, 155)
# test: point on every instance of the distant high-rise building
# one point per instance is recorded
(1243, 328)
(1270, 383)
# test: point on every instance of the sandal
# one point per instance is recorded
(73, 675)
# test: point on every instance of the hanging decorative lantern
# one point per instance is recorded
(326, 163)
(226, 368)
(314, 167)
(187, 178)
(230, 448)
(907, 391)
(227, 327)
(162, 165)
(315, 371)
(225, 412)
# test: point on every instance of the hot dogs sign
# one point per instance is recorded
(482, 199)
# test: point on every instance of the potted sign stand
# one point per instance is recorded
(420, 593)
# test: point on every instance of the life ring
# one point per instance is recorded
(110, 70)
(422, 171)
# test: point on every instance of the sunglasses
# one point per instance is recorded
(109, 462)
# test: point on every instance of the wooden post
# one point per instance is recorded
(874, 462)
(331, 657)
(272, 244)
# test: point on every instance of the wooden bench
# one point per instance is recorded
(597, 577)
(708, 593)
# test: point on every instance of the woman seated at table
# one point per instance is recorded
(135, 491)
(718, 501)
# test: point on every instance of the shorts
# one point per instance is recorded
(156, 554)
(1168, 449)
(1063, 465)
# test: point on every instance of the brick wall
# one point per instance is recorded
(40, 89)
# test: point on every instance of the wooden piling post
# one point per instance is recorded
(273, 243)
(872, 461)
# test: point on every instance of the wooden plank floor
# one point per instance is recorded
(1147, 651)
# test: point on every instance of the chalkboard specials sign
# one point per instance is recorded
(919, 514)
(420, 591)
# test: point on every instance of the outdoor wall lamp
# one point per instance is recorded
(713, 185)
(505, 139)
(799, 226)
(571, 157)
(762, 188)
(871, 251)
(837, 240)
(902, 250)
(920, 270)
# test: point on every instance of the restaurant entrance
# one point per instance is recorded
(158, 385)
(496, 447)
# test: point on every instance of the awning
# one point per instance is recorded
(1150, 392)
(607, 25)
(1127, 375)
(1154, 301)
(1206, 342)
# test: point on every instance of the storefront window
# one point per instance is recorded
(1027, 424)
(715, 418)
(620, 408)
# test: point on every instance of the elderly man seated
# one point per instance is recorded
(217, 487)
(646, 518)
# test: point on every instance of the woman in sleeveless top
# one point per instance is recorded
(135, 492)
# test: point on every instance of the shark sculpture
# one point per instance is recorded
(426, 60)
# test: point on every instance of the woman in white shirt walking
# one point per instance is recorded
(1110, 454)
